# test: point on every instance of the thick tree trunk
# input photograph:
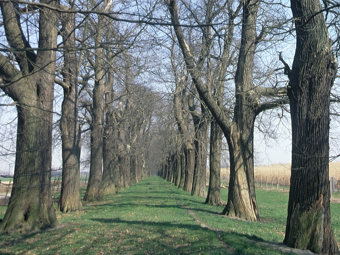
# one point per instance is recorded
(70, 189)
(241, 196)
(30, 207)
(171, 168)
(214, 196)
(110, 158)
(189, 169)
(114, 167)
(70, 131)
(310, 81)
(178, 169)
(201, 143)
(94, 189)
(139, 167)
(124, 169)
(183, 166)
(133, 167)
(110, 162)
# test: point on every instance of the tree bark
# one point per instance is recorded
(189, 169)
(201, 143)
(30, 207)
(133, 167)
(94, 189)
(110, 158)
(178, 169)
(241, 194)
(124, 169)
(214, 196)
(310, 81)
(183, 165)
(70, 131)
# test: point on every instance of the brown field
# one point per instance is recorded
(273, 173)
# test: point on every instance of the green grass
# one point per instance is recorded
(155, 217)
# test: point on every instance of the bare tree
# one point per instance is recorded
(29, 81)
(70, 129)
(238, 130)
(94, 189)
(310, 81)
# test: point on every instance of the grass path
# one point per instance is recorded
(155, 217)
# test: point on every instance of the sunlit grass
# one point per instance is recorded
(155, 217)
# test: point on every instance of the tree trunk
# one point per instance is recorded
(183, 166)
(310, 81)
(133, 167)
(94, 189)
(139, 168)
(178, 169)
(241, 194)
(110, 159)
(30, 207)
(199, 179)
(70, 131)
(124, 169)
(214, 196)
(189, 168)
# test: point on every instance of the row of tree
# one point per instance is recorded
(206, 67)
(216, 60)
(91, 58)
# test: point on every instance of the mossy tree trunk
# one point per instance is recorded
(310, 81)
(32, 88)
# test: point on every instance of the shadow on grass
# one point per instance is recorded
(138, 203)
(235, 243)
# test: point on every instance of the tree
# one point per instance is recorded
(214, 196)
(201, 125)
(29, 81)
(188, 148)
(70, 130)
(310, 81)
(110, 159)
(94, 189)
(238, 130)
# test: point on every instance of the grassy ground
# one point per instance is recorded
(155, 217)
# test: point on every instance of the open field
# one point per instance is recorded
(281, 172)
(155, 217)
